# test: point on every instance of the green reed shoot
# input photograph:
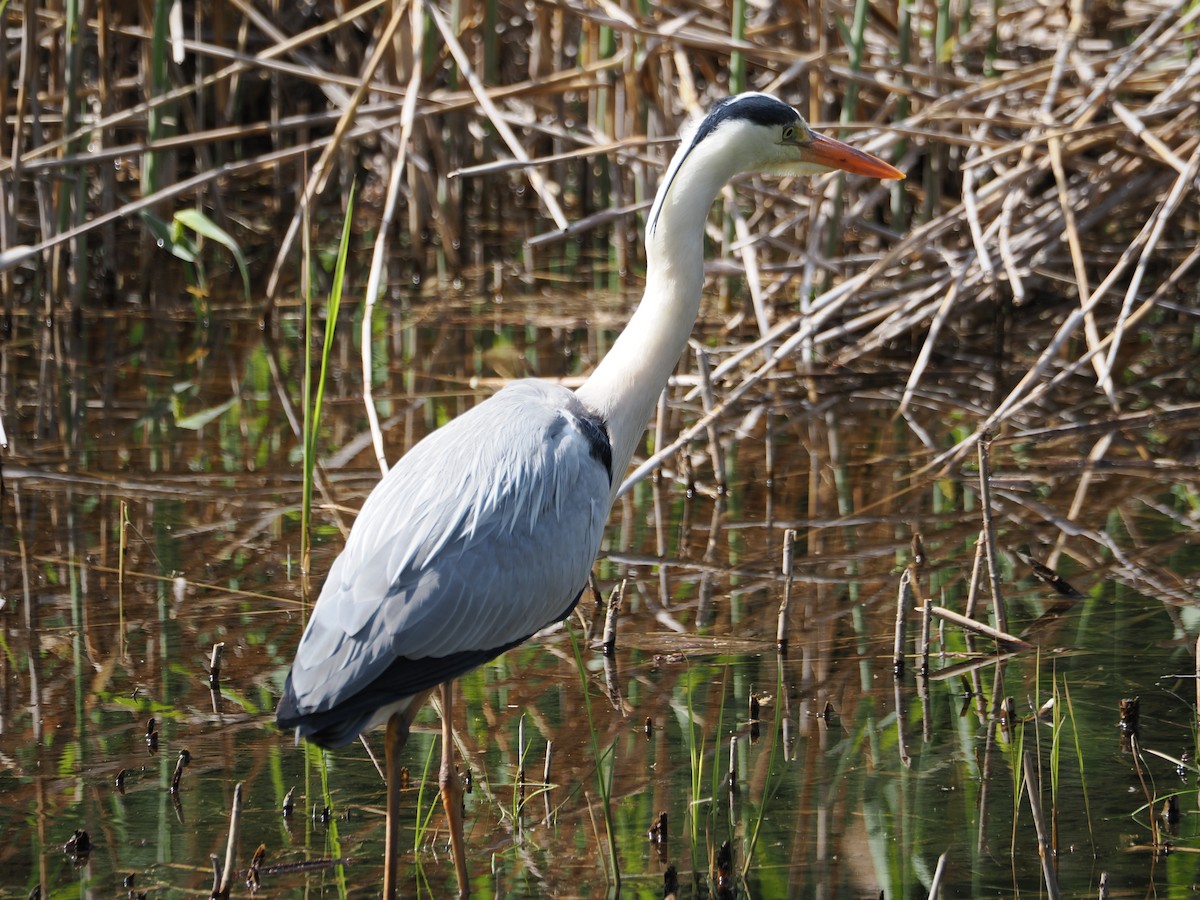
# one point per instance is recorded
(1087, 810)
(157, 115)
(333, 843)
(603, 780)
(424, 816)
(315, 393)
(1056, 734)
(769, 785)
(696, 760)
(737, 59)
(122, 547)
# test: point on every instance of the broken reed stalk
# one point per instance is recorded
(520, 762)
(121, 549)
(781, 628)
(222, 884)
(380, 254)
(546, 780)
(976, 573)
(901, 723)
(733, 770)
(214, 665)
(180, 764)
(610, 619)
(709, 401)
(936, 884)
(923, 674)
(1006, 640)
(903, 602)
(1039, 823)
(989, 533)
(923, 649)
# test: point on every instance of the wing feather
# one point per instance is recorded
(481, 535)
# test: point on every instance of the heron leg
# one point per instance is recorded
(452, 793)
(397, 736)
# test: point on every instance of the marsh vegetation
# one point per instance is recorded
(175, 184)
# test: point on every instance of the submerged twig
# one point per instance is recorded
(1045, 853)
(223, 878)
(1005, 639)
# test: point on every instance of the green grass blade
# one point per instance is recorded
(206, 227)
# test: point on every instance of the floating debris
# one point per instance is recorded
(1008, 718)
(918, 550)
(214, 666)
(1130, 724)
(725, 879)
(610, 619)
(1171, 815)
(670, 883)
(180, 764)
(308, 865)
(253, 881)
(1048, 576)
(658, 831)
(78, 846)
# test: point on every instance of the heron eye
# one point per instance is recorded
(789, 133)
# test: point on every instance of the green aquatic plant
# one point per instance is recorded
(315, 393)
(604, 772)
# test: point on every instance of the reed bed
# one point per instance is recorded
(1051, 210)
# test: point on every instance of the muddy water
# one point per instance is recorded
(151, 510)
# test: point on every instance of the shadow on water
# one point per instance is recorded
(151, 511)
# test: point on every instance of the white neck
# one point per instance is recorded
(625, 386)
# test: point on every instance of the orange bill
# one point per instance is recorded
(833, 154)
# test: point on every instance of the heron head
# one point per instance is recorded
(767, 135)
(756, 132)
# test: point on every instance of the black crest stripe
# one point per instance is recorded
(761, 109)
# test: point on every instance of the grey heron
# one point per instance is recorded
(485, 532)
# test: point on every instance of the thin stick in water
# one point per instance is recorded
(221, 888)
(1010, 641)
(781, 640)
(936, 884)
(610, 619)
(214, 665)
(989, 533)
(1039, 823)
(903, 601)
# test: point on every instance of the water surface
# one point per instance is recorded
(857, 781)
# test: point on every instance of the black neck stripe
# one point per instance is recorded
(761, 109)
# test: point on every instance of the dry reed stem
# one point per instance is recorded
(1039, 170)
(996, 634)
(1045, 850)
